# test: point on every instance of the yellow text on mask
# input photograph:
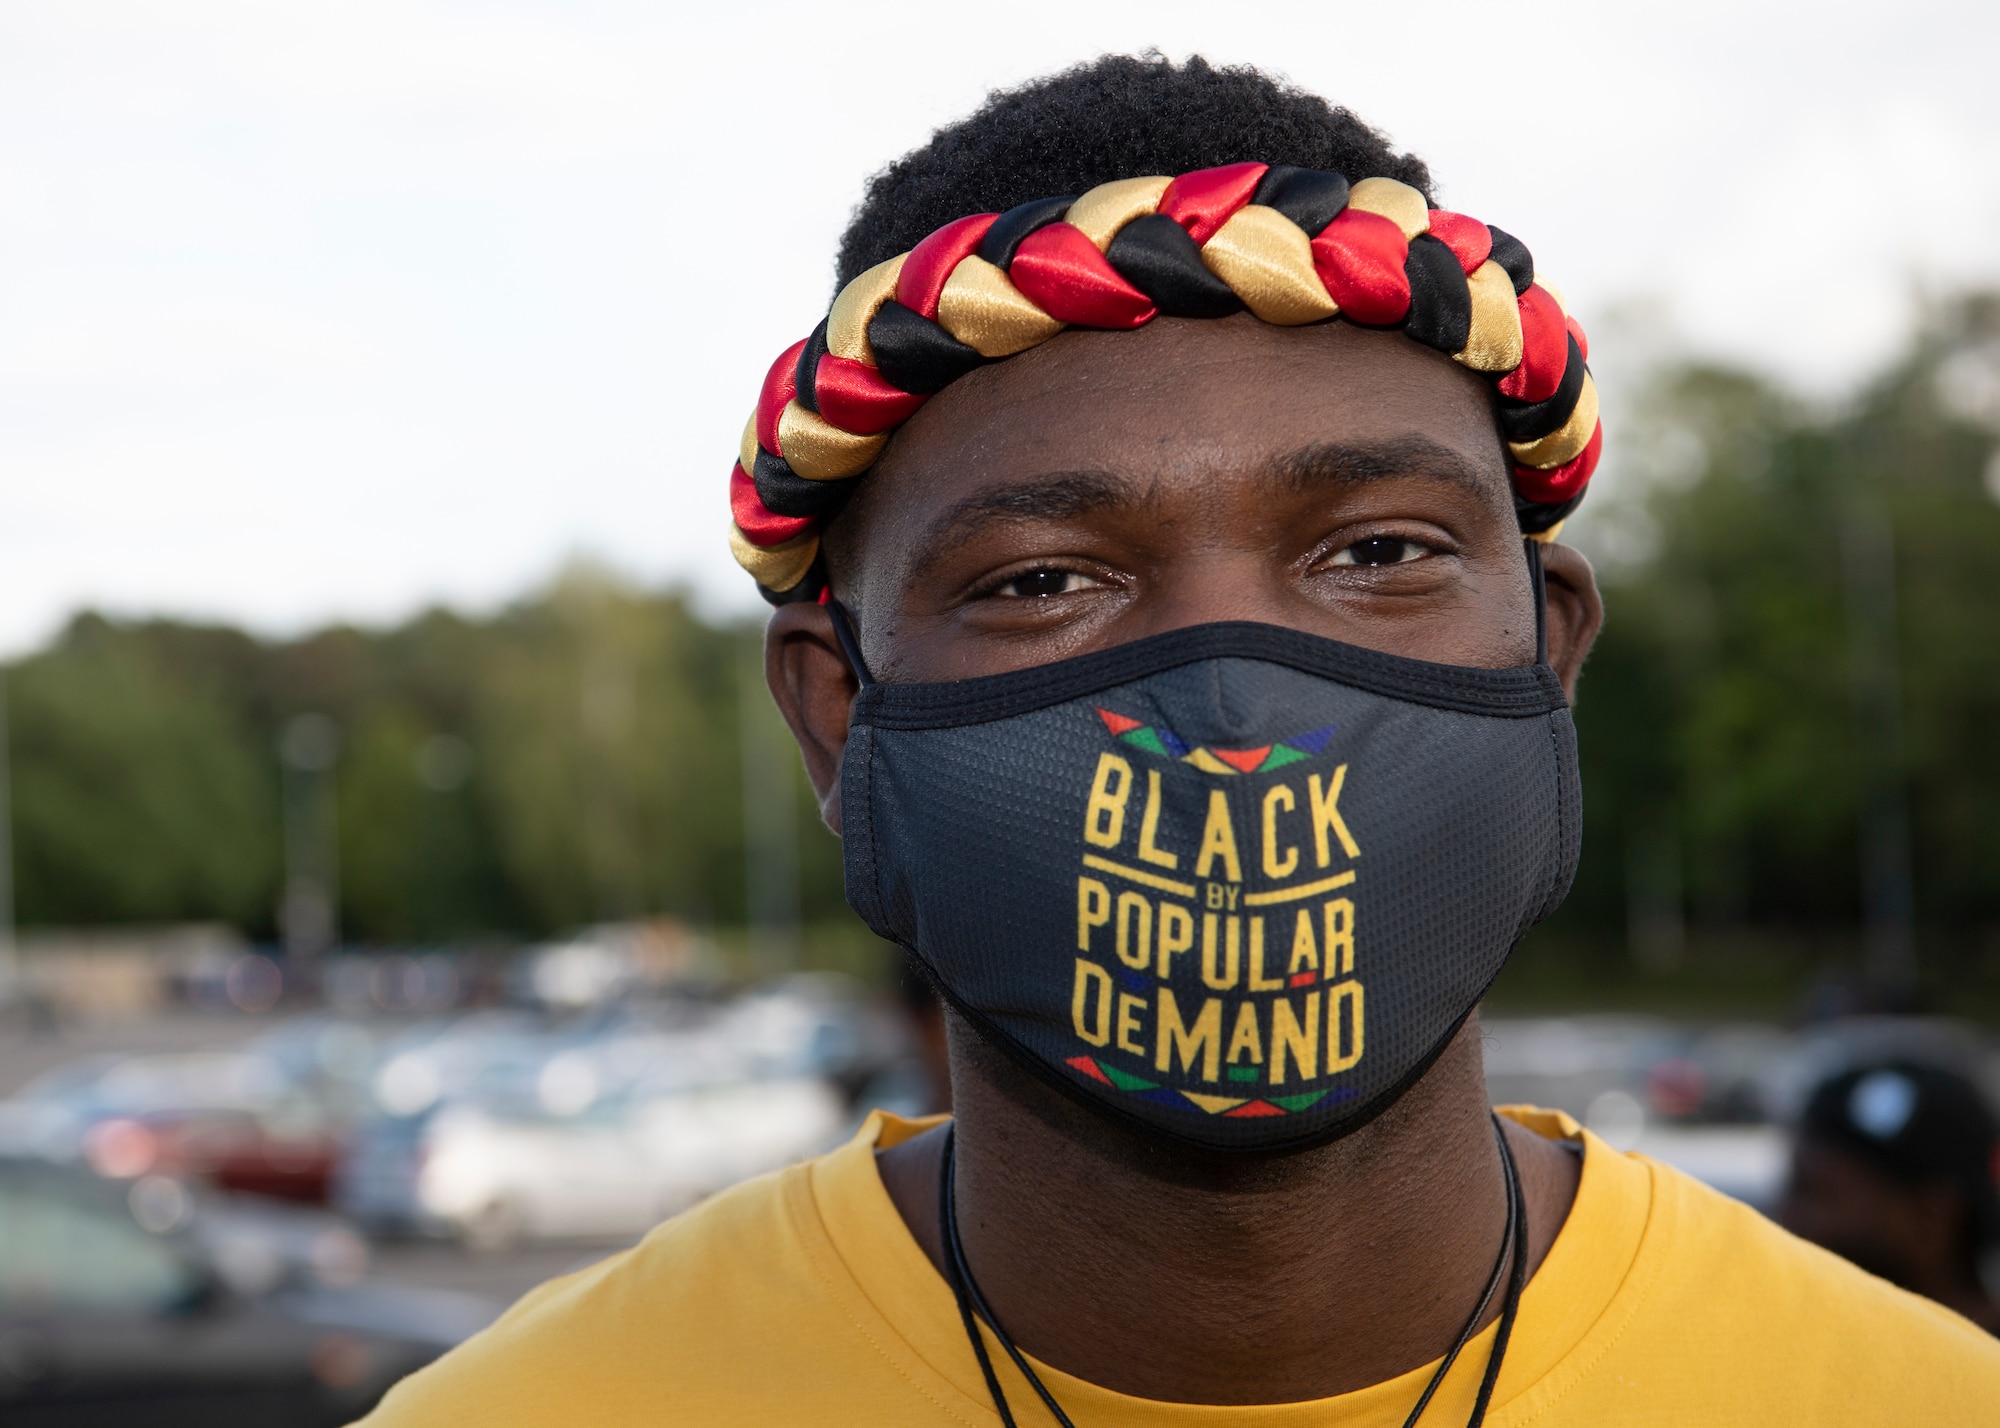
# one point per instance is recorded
(1269, 1041)
(1217, 848)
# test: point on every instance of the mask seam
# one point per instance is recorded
(1521, 691)
(1562, 828)
(1572, 822)
(874, 839)
(860, 850)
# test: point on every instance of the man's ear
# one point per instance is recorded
(814, 687)
(1576, 611)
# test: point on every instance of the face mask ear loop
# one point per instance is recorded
(1540, 582)
(843, 630)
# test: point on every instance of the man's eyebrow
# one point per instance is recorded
(1335, 464)
(1058, 496)
(1065, 495)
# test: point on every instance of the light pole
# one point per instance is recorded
(309, 912)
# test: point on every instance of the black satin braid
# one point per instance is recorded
(998, 246)
(1311, 198)
(805, 376)
(1155, 255)
(1513, 256)
(1535, 518)
(915, 353)
(1528, 421)
(809, 589)
(787, 494)
(1440, 300)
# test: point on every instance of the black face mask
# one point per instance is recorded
(1232, 885)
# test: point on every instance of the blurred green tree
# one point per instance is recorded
(140, 792)
(571, 759)
(1727, 744)
(607, 725)
(579, 755)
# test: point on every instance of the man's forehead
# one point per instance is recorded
(1094, 421)
(1062, 495)
(1074, 496)
(1196, 386)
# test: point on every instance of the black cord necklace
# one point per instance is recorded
(1512, 1262)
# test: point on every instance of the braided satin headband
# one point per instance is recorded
(1292, 245)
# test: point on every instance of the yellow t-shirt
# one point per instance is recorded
(801, 1298)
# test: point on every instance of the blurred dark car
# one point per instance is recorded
(104, 1321)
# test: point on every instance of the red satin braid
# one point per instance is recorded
(1291, 245)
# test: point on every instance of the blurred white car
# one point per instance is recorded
(566, 1163)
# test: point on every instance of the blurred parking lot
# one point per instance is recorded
(269, 1204)
(269, 1207)
(496, 1277)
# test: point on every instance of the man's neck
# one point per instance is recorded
(1191, 1278)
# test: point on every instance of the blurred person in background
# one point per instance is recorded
(1187, 671)
(1897, 1168)
(927, 1030)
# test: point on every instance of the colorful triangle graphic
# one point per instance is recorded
(1156, 739)
(1255, 1108)
(1214, 1105)
(1242, 760)
(1315, 741)
(1089, 1068)
(1299, 1102)
(1117, 723)
(1126, 1081)
(1207, 762)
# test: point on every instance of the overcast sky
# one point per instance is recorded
(317, 311)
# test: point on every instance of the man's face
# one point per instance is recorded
(1907, 1234)
(1107, 486)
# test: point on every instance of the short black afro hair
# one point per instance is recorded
(1120, 116)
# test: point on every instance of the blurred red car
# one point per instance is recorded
(227, 1118)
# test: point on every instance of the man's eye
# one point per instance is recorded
(1036, 583)
(1380, 550)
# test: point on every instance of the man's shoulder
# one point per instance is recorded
(623, 1338)
(1729, 1283)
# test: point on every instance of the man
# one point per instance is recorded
(1897, 1168)
(1146, 524)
